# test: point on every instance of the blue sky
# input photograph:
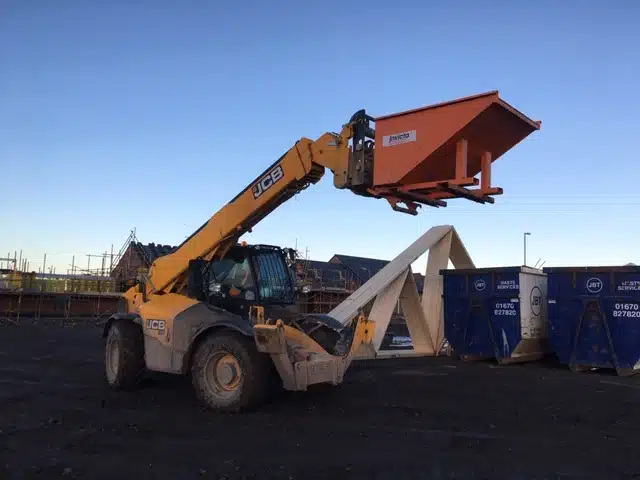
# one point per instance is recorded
(153, 114)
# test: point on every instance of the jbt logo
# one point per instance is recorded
(594, 285)
(266, 182)
(480, 284)
(535, 300)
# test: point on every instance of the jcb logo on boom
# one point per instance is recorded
(266, 182)
(158, 325)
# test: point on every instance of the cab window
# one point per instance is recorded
(274, 278)
(232, 276)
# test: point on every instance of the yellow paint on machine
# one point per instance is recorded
(163, 308)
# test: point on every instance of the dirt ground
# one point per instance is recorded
(421, 418)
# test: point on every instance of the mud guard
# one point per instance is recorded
(120, 316)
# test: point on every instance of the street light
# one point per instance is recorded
(525, 247)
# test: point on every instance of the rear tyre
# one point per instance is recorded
(229, 374)
(124, 355)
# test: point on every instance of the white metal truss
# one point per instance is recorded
(395, 283)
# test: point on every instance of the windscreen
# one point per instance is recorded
(274, 278)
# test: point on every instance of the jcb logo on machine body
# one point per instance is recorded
(158, 325)
(266, 182)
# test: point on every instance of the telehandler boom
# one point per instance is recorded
(224, 312)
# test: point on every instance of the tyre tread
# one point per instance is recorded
(257, 371)
(131, 363)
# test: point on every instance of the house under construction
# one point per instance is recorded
(333, 281)
(136, 259)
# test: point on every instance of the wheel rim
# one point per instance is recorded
(113, 358)
(223, 374)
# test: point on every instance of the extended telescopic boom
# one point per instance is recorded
(415, 158)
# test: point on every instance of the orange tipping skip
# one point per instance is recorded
(434, 153)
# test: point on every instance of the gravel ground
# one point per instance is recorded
(419, 418)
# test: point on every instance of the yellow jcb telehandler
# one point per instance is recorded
(224, 312)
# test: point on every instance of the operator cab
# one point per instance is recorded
(260, 275)
(251, 275)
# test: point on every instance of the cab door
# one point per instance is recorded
(233, 286)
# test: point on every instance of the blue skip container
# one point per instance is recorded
(496, 313)
(594, 317)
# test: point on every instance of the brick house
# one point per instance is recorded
(137, 258)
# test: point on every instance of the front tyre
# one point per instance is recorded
(229, 374)
(124, 355)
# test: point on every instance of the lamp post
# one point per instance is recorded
(525, 247)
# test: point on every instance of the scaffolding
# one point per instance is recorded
(18, 263)
(328, 285)
(31, 282)
(16, 307)
(321, 301)
(80, 293)
(132, 262)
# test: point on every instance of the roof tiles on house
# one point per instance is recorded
(152, 251)
(361, 267)
(328, 274)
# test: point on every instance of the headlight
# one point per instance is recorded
(306, 288)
